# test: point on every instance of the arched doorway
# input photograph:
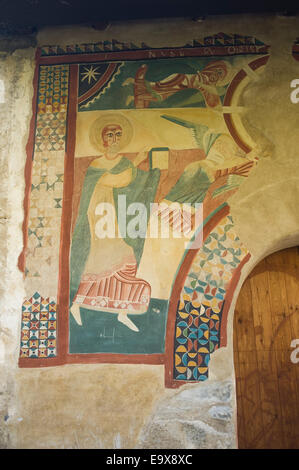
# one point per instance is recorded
(266, 321)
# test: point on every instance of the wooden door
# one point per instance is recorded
(266, 321)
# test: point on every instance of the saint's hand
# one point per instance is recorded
(239, 170)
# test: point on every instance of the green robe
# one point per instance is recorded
(190, 188)
(142, 189)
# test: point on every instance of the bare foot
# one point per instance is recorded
(75, 311)
(123, 318)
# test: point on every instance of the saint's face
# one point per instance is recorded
(112, 135)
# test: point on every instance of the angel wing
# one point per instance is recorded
(201, 134)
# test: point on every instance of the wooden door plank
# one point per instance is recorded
(251, 397)
(270, 403)
(261, 304)
(292, 282)
(243, 339)
(267, 382)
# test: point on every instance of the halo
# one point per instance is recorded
(95, 133)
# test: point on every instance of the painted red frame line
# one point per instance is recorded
(255, 64)
(100, 358)
(66, 216)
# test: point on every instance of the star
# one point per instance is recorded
(90, 74)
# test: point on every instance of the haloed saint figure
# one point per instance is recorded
(103, 270)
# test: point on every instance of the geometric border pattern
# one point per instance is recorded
(42, 256)
(52, 108)
(38, 334)
(202, 299)
(217, 40)
(38, 331)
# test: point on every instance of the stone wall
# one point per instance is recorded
(98, 405)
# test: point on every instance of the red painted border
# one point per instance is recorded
(66, 217)
(100, 358)
(174, 299)
(109, 358)
(255, 64)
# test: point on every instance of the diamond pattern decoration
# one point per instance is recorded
(220, 39)
(38, 331)
(47, 179)
(50, 132)
(45, 219)
(202, 300)
(52, 108)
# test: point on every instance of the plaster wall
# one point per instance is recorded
(98, 405)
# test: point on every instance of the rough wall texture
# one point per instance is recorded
(17, 73)
(100, 406)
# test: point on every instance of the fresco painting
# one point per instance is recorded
(155, 136)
